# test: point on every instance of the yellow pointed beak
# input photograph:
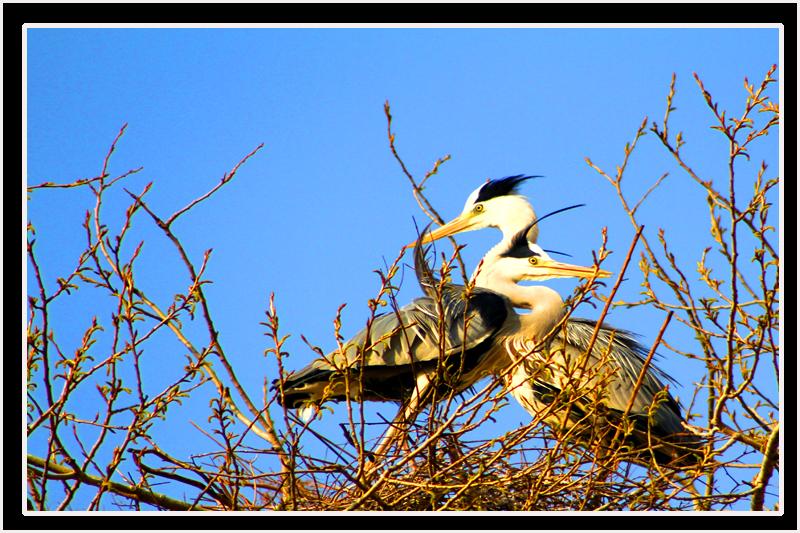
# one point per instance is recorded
(457, 225)
(566, 270)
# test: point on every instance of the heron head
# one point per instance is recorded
(495, 204)
(524, 260)
(538, 266)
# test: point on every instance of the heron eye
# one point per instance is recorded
(534, 260)
(478, 208)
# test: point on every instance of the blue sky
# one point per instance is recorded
(324, 203)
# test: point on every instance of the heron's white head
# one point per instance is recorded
(530, 262)
(522, 260)
(495, 204)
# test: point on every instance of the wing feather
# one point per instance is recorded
(395, 346)
(553, 366)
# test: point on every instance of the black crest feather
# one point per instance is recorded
(501, 187)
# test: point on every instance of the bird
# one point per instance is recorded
(539, 376)
(398, 357)
(386, 373)
(497, 204)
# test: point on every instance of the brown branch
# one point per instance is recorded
(416, 188)
(52, 470)
(646, 364)
(225, 179)
(771, 458)
(76, 183)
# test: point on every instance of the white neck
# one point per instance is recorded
(548, 308)
(491, 275)
(545, 304)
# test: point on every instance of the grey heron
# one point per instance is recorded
(555, 377)
(398, 356)
(611, 364)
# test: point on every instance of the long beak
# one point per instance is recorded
(566, 270)
(457, 225)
